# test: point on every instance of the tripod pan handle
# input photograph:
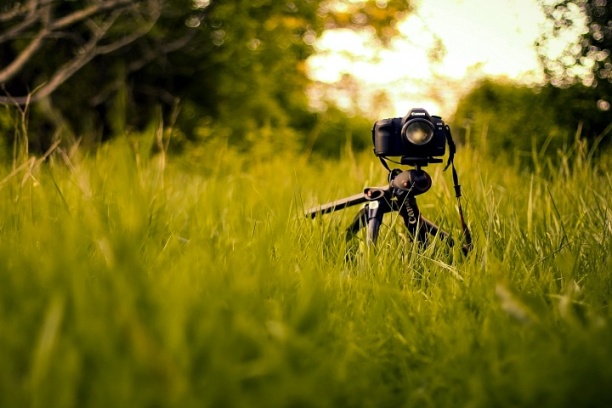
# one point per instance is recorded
(337, 205)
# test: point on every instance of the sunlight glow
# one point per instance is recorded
(443, 48)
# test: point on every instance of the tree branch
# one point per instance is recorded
(18, 10)
(91, 49)
(33, 15)
(164, 49)
(81, 15)
(14, 67)
(107, 49)
(149, 55)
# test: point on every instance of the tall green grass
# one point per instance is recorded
(196, 281)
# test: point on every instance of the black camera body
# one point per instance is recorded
(417, 137)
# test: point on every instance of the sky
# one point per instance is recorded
(479, 37)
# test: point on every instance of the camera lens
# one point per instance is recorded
(418, 132)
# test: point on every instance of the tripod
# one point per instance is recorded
(399, 195)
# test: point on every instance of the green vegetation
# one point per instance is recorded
(87, 72)
(157, 254)
(585, 57)
(507, 118)
(92, 70)
(533, 122)
(129, 280)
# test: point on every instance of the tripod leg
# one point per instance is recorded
(434, 230)
(375, 216)
(424, 227)
(415, 224)
(371, 216)
(360, 221)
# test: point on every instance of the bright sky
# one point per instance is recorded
(481, 37)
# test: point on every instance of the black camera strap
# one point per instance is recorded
(451, 162)
(384, 163)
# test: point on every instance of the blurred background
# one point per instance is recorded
(310, 76)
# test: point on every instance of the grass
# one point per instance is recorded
(127, 281)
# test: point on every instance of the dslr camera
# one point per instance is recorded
(417, 137)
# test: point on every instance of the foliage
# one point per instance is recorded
(503, 116)
(127, 281)
(238, 66)
(585, 57)
(574, 49)
(80, 31)
(335, 130)
(582, 31)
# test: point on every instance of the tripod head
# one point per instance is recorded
(413, 181)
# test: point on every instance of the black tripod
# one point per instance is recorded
(399, 195)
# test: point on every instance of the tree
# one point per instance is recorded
(528, 123)
(90, 45)
(581, 31)
(97, 67)
(98, 28)
(575, 50)
(500, 116)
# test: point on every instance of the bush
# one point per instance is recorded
(500, 116)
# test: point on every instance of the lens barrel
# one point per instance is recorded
(418, 131)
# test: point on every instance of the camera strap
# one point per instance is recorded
(384, 163)
(451, 162)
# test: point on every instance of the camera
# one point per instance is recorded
(417, 137)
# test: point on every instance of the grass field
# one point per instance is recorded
(129, 281)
